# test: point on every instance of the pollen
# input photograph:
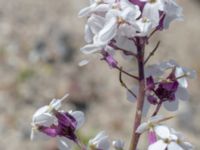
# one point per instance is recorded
(92, 147)
(120, 20)
(167, 141)
(145, 20)
(152, 1)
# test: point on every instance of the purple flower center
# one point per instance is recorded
(167, 90)
(163, 90)
(66, 126)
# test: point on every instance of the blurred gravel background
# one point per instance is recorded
(39, 53)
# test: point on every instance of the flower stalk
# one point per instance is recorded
(141, 93)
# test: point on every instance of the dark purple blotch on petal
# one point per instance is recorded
(166, 91)
(66, 126)
(152, 99)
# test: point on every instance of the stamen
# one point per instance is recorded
(152, 1)
(120, 20)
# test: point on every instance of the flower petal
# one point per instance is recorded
(159, 145)
(87, 10)
(100, 141)
(156, 118)
(102, 8)
(182, 81)
(88, 34)
(39, 112)
(90, 48)
(142, 128)
(171, 106)
(83, 63)
(182, 94)
(79, 116)
(108, 32)
(187, 145)
(64, 144)
(118, 144)
(174, 146)
(152, 13)
(162, 131)
(96, 23)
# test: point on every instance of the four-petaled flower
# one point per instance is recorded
(168, 140)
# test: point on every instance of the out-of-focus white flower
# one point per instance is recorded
(60, 125)
(119, 20)
(172, 12)
(151, 10)
(181, 74)
(181, 141)
(100, 141)
(96, 6)
(43, 115)
(46, 110)
(118, 144)
(167, 140)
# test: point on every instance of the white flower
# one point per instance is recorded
(119, 20)
(172, 11)
(181, 73)
(144, 25)
(167, 140)
(151, 10)
(43, 115)
(100, 141)
(181, 141)
(42, 119)
(118, 144)
(47, 121)
(151, 70)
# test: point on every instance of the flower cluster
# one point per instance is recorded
(126, 26)
(116, 24)
(166, 83)
(51, 121)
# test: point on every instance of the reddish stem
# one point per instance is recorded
(141, 93)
